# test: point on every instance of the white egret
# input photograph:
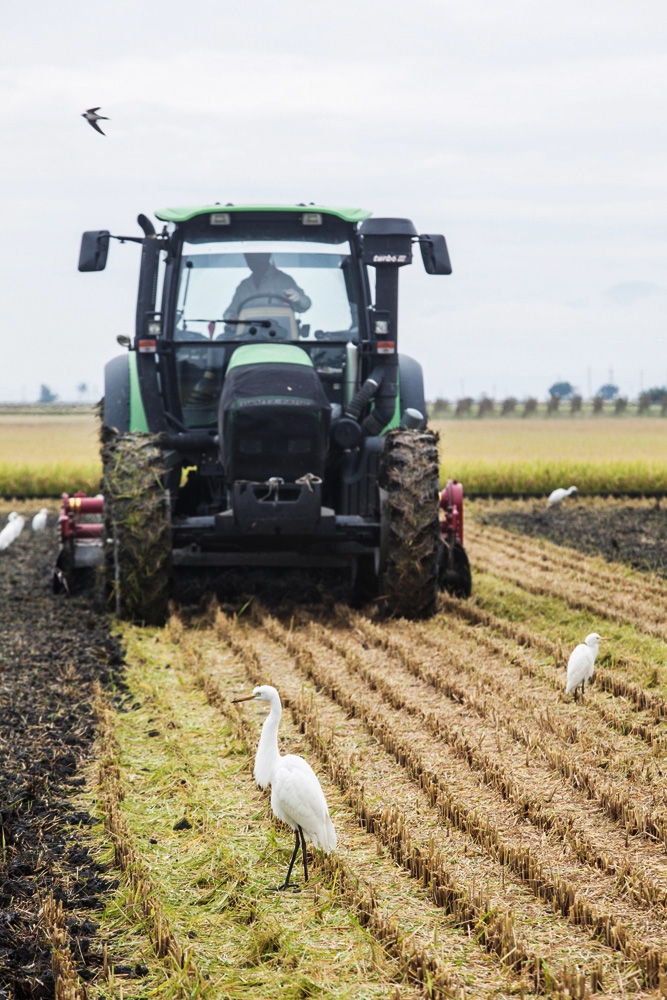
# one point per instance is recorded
(11, 530)
(39, 520)
(557, 496)
(296, 794)
(581, 663)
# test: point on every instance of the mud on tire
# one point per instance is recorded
(409, 476)
(138, 563)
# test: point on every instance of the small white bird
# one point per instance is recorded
(581, 663)
(39, 520)
(93, 118)
(559, 495)
(296, 794)
(11, 530)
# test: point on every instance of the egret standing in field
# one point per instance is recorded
(581, 663)
(557, 496)
(11, 530)
(39, 520)
(7, 533)
(296, 794)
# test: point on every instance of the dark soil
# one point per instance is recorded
(634, 533)
(52, 650)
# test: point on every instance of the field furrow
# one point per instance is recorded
(496, 837)
(507, 869)
(427, 943)
(570, 564)
(495, 554)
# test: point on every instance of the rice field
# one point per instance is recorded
(496, 838)
(47, 454)
(533, 457)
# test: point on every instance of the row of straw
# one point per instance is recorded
(142, 896)
(617, 801)
(545, 885)
(527, 804)
(418, 963)
(612, 682)
(67, 985)
(472, 908)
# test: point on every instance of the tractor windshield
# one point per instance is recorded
(305, 287)
(241, 292)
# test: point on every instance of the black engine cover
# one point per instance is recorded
(273, 420)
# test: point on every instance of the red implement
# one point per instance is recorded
(451, 501)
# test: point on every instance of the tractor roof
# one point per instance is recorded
(184, 214)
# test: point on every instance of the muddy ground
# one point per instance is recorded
(51, 653)
(632, 532)
(54, 649)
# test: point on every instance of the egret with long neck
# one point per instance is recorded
(296, 794)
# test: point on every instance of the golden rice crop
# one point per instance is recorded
(534, 457)
(47, 454)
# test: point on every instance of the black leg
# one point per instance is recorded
(303, 851)
(286, 883)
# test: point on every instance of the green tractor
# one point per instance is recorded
(262, 416)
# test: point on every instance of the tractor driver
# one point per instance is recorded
(266, 279)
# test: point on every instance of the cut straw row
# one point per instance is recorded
(555, 890)
(583, 597)
(614, 683)
(472, 908)
(418, 962)
(67, 985)
(558, 752)
(143, 897)
(525, 803)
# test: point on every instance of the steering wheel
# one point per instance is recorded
(267, 296)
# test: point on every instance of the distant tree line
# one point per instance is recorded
(562, 398)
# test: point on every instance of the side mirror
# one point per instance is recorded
(94, 250)
(435, 254)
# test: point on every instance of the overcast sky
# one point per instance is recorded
(532, 135)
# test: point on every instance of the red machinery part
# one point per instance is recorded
(451, 501)
(72, 508)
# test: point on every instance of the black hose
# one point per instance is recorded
(363, 397)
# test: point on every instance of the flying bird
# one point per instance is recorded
(559, 495)
(93, 118)
(39, 520)
(296, 794)
(581, 663)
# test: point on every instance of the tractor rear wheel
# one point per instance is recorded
(409, 478)
(138, 525)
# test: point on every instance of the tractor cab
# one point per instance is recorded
(242, 278)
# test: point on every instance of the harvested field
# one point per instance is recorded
(622, 530)
(496, 839)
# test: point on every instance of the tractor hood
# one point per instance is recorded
(273, 418)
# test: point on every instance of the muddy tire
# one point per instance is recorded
(138, 556)
(409, 477)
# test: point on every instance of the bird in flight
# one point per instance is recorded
(92, 118)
